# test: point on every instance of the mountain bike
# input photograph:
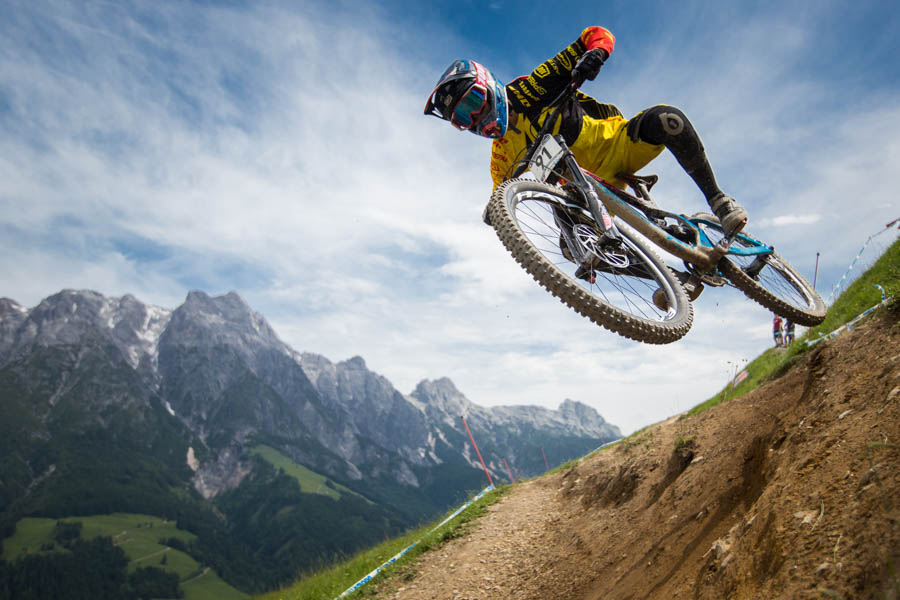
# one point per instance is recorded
(588, 243)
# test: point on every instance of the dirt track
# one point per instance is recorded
(792, 491)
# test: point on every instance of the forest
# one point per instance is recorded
(93, 569)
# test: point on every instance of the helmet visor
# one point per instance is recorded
(469, 105)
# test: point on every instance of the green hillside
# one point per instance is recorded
(147, 541)
(859, 296)
(310, 481)
(332, 580)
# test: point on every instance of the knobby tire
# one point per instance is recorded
(581, 297)
(780, 288)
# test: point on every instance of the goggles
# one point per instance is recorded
(473, 100)
(468, 106)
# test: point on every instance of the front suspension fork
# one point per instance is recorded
(589, 194)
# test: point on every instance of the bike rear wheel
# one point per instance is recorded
(618, 294)
(766, 278)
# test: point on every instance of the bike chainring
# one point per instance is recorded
(709, 278)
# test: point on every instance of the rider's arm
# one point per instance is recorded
(527, 94)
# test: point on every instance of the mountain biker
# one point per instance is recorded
(472, 98)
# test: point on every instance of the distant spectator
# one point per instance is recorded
(776, 331)
(788, 332)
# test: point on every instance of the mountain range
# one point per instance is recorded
(108, 404)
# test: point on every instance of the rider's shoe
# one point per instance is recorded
(693, 287)
(486, 215)
(730, 214)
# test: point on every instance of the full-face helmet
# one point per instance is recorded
(471, 98)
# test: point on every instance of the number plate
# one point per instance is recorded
(545, 158)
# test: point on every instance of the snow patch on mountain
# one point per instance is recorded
(198, 355)
(135, 326)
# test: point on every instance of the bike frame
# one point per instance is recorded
(603, 199)
(703, 254)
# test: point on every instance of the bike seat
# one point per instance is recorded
(648, 180)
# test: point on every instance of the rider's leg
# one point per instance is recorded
(670, 127)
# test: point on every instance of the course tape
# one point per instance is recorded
(396, 557)
(610, 443)
(838, 285)
(851, 324)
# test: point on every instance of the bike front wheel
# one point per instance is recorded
(617, 290)
(765, 277)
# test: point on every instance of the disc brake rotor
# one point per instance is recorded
(613, 255)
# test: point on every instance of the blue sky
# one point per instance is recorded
(278, 149)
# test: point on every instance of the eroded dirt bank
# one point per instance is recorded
(792, 491)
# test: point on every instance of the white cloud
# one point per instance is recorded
(156, 150)
(787, 220)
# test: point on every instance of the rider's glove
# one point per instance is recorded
(588, 65)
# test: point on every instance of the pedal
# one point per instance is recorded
(693, 286)
(713, 280)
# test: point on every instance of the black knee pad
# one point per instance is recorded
(660, 125)
(669, 126)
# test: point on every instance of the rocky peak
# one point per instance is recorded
(351, 385)
(64, 318)
(576, 413)
(354, 364)
(12, 314)
(577, 410)
(10, 308)
(316, 367)
(441, 399)
(219, 320)
(73, 316)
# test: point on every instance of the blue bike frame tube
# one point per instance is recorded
(702, 258)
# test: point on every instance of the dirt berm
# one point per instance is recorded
(791, 491)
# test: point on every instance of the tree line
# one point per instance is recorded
(93, 569)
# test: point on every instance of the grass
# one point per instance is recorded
(210, 587)
(331, 582)
(138, 536)
(856, 299)
(641, 437)
(862, 293)
(310, 481)
(685, 442)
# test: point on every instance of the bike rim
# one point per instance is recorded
(534, 214)
(767, 270)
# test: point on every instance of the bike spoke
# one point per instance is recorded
(632, 290)
(766, 271)
(611, 280)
